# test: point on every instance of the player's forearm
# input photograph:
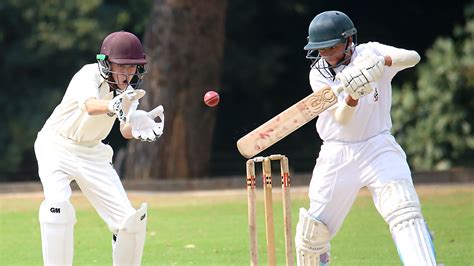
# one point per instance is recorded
(345, 110)
(97, 107)
(126, 131)
(402, 58)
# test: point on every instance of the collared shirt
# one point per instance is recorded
(372, 116)
(70, 118)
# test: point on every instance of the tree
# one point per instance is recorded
(184, 42)
(434, 122)
(43, 43)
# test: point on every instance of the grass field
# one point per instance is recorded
(210, 228)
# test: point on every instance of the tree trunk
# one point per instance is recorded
(184, 43)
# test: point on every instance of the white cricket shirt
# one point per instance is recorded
(70, 119)
(372, 114)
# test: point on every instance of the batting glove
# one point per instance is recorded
(355, 83)
(371, 65)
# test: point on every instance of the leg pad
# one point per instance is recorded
(130, 239)
(57, 221)
(312, 241)
(400, 207)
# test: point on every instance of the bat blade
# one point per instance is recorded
(287, 121)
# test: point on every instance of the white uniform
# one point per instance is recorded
(362, 153)
(69, 147)
(339, 172)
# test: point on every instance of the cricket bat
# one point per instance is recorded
(288, 121)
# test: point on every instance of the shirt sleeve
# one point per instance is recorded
(85, 85)
(401, 58)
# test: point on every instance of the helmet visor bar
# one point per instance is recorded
(135, 80)
(315, 57)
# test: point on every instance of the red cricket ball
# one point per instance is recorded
(211, 98)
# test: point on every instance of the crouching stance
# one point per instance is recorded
(358, 149)
(69, 147)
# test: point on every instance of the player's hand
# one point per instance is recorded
(125, 103)
(144, 126)
(371, 65)
(355, 83)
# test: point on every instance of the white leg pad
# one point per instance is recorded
(311, 241)
(400, 207)
(57, 221)
(128, 248)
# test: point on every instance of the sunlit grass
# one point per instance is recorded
(211, 229)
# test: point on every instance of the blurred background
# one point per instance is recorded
(251, 52)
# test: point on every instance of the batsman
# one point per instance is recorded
(69, 147)
(358, 149)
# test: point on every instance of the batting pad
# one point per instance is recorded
(311, 240)
(400, 207)
(57, 221)
(128, 248)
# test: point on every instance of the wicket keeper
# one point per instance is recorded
(69, 147)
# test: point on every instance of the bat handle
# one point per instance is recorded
(338, 89)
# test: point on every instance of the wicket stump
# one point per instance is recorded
(268, 203)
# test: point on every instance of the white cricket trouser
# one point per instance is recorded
(60, 161)
(342, 169)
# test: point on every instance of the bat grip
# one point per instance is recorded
(338, 89)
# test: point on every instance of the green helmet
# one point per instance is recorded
(328, 29)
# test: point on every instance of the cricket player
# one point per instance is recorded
(358, 149)
(69, 147)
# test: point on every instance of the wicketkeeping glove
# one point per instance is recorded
(125, 103)
(144, 126)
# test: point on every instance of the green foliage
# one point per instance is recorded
(43, 43)
(433, 120)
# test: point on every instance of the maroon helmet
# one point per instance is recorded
(122, 48)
